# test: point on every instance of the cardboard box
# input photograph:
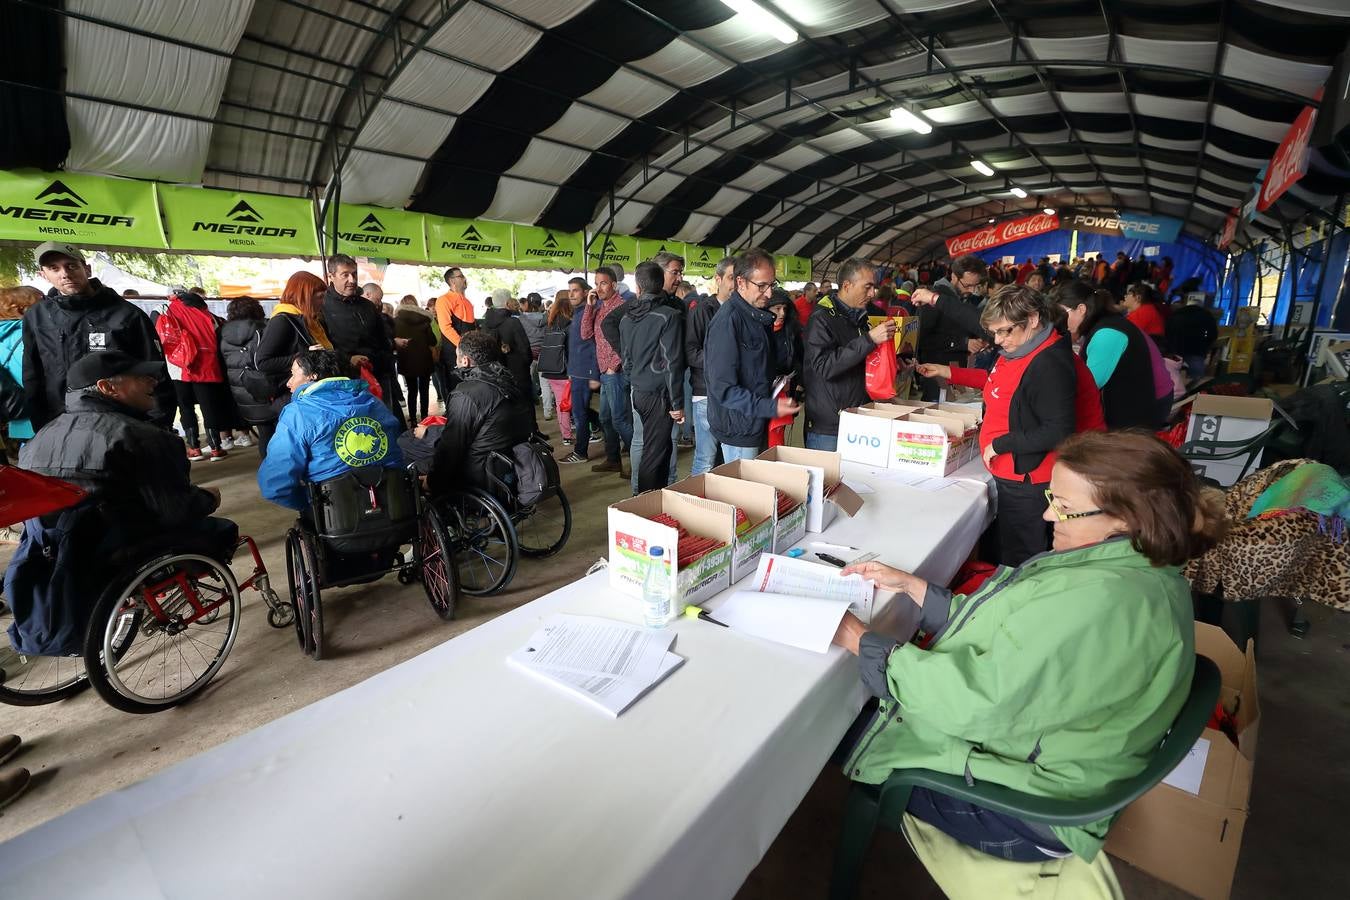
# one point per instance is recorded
(760, 503)
(631, 533)
(867, 435)
(1192, 840)
(1219, 418)
(933, 442)
(788, 530)
(828, 494)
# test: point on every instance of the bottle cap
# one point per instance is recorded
(656, 551)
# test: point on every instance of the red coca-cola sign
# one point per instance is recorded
(1002, 233)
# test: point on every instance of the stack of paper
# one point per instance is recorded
(795, 602)
(609, 664)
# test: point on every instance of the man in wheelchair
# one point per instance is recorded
(485, 412)
(332, 426)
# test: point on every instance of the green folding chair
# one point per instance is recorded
(872, 805)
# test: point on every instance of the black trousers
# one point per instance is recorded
(654, 466)
(1022, 533)
(217, 410)
(419, 388)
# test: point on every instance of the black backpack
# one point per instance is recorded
(553, 354)
(536, 472)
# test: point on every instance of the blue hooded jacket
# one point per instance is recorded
(328, 428)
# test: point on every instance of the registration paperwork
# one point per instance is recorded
(795, 602)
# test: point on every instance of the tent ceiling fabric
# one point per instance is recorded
(678, 118)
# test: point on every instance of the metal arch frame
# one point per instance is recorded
(1113, 51)
(1219, 53)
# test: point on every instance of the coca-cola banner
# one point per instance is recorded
(1290, 160)
(1001, 233)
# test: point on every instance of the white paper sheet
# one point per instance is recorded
(605, 692)
(805, 622)
(589, 645)
(785, 575)
(919, 482)
(1190, 771)
(860, 487)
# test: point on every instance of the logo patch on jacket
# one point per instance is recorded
(98, 340)
(361, 441)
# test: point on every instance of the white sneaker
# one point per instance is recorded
(226, 444)
(241, 439)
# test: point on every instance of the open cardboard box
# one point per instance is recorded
(867, 433)
(828, 494)
(933, 442)
(760, 503)
(794, 481)
(1219, 418)
(1190, 839)
(632, 533)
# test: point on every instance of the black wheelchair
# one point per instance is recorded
(522, 512)
(354, 533)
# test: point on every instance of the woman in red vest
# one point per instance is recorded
(1031, 403)
(191, 347)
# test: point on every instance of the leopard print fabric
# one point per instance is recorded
(1282, 556)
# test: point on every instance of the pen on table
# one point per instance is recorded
(830, 546)
(694, 612)
(832, 560)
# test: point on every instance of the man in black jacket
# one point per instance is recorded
(1191, 333)
(136, 471)
(80, 316)
(503, 321)
(948, 320)
(695, 331)
(837, 343)
(651, 344)
(356, 328)
(486, 411)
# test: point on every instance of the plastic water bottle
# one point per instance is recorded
(656, 600)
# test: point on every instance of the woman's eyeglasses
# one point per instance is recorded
(1001, 333)
(1063, 516)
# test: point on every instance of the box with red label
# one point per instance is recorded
(632, 533)
(755, 523)
(933, 442)
(828, 494)
(792, 486)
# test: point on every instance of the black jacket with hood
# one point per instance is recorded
(834, 370)
(516, 343)
(945, 326)
(61, 329)
(356, 328)
(486, 411)
(695, 332)
(651, 345)
(739, 366)
(252, 389)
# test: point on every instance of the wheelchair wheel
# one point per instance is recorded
(435, 564)
(543, 529)
(484, 548)
(158, 637)
(302, 573)
(36, 680)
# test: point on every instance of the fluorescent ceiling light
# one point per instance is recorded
(982, 167)
(764, 20)
(907, 118)
(992, 221)
(1018, 192)
(1049, 210)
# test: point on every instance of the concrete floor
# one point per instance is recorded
(81, 748)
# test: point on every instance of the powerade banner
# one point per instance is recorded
(702, 260)
(542, 248)
(467, 241)
(614, 248)
(375, 231)
(234, 222)
(80, 209)
(792, 268)
(1001, 233)
(1135, 226)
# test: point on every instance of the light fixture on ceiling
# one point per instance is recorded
(1049, 210)
(763, 19)
(909, 120)
(1019, 193)
(992, 220)
(982, 167)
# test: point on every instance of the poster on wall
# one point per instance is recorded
(81, 209)
(236, 222)
(1054, 258)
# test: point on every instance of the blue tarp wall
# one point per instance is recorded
(1189, 256)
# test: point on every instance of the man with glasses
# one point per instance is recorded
(949, 317)
(739, 362)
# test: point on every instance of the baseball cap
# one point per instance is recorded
(50, 247)
(90, 369)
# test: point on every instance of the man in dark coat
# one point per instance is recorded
(503, 321)
(80, 316)
(486, 411)
(356, 328)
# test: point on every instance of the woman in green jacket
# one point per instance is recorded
(1057, 678)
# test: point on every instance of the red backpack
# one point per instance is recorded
(180, 347)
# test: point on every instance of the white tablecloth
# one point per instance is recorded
(454, 775)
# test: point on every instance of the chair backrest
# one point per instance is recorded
(365, 509)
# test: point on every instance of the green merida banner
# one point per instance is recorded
(792, 268)
(614, 248)
(702, 260)
(542, 248)
(375, 231)
(647, 248)
(468, 241)
(235, 222)
(81, 209)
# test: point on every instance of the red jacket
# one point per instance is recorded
(804, 308)
(189, 338)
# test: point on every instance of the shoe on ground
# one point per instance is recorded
(625, 474)
(242, 440)
(12, 784)
(9, 745)
(194, 454)
(227, 443)
(684, 444)
(607, 466)
(548, 417)
(572, 458)
(218, 455)
(567, 442)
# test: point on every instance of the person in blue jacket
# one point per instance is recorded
(584, 372)
(332, 425)
(739, 362)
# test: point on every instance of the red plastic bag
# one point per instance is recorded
(881, 370)
(25, 494)
(564, 397)
(366, 374)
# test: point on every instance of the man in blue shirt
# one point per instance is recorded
(332, 425)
